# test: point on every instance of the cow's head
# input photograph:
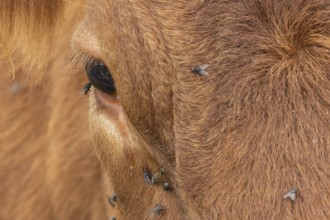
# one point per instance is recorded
(210, 109)
(215, 92)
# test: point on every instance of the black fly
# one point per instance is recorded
(112, 199)
(158, 210)
(291, 194)
(166, 186)
(147, 176)
(201, 69)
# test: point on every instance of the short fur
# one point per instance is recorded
(233, 143)
(26, 31)
(48, 168)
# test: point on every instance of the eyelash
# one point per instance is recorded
(78, 58)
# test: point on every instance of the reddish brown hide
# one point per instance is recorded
(247, 138)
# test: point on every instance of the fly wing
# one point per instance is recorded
(204, 66)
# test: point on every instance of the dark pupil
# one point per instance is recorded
(100, 77)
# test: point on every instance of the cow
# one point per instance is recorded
(196, 109)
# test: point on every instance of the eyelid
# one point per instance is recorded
(79, 58)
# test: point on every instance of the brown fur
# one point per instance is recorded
(42, 175)
(26, 30)
(232, 143)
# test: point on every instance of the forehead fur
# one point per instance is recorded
(26, 27)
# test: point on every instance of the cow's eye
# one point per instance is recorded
(100, 77)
